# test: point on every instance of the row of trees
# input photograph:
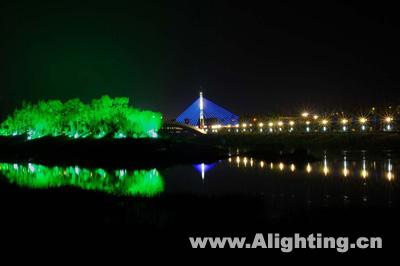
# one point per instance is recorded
(102, 117)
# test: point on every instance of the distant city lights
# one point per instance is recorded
(333, 122)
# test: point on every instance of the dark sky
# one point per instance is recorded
(247, 56)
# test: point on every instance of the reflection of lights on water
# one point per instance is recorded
(308, 168)
(364, 172)
(326, 171)
(326, 168)
(389, 174)
(345, 172)
(345, 168)
(203, 171)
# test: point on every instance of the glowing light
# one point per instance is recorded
(261, 124)
(308, 122)
(244, 125)
(389, 174)
(292, 167)
(262, 164)
(363, 120)
(344, 128)
(325, 122)
(270, 124)
(309, 168)
(281, 166)
(203, 171)
(364, 172)
(251, 162)
(305, 114)
(308, 129)
(291, 123)
(201, 102)
(245, 161)
(344, 121)
(271, 166)
(316, 117)
(388, 119)
(345, 169)
(326, 168)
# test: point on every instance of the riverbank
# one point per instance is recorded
(142, 153)
(162, 152)
(311, 142)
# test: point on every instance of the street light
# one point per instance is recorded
(363, 121)
(305, 114)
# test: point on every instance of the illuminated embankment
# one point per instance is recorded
(74, 119)
(145, 183)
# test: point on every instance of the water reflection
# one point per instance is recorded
(146, 183)
(389, 174)
(204, 168)
(344, 167)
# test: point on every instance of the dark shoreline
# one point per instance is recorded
(108, 153)
(164, 152)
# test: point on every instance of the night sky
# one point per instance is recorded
(246, 56)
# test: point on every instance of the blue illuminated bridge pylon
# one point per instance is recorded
(204, 112)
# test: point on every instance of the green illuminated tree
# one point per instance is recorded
(74, 119)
